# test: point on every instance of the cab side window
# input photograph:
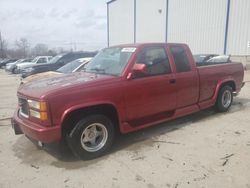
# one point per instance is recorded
(42, 60)
(180, 59)
(155, 59)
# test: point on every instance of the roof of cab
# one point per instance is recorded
(146, 44)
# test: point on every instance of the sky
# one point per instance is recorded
(77, 24)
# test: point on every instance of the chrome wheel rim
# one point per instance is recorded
(226, 98)
(94, 137)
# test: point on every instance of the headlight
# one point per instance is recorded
(37, 105)
(38, 109)
(34, 104)
(28, 69)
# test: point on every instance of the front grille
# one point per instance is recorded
(24, 107)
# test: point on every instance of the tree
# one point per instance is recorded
(3, 47)
(52, 52)
(40, 49)
(22, 45)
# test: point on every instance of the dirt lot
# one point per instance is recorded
(201, 150)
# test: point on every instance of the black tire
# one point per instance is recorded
(15, 71)
(77, 135)
(221, 105)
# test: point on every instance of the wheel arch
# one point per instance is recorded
(72, 115)
(230, 82)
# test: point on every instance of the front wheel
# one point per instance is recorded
(224, 99)
(91, 137)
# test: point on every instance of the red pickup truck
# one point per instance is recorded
(124, 88)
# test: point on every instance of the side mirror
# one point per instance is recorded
(137, 71)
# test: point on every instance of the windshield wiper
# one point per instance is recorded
(58, 71)
(98, 70)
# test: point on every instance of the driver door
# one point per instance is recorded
(153, 93)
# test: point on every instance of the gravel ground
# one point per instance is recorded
(205, 149)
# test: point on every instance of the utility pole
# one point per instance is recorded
(1, 46)
(71, 45)
(75, 46)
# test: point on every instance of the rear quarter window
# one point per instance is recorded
(180, 59)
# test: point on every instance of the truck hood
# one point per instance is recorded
(41, 65)
(65, 82)
(49, 74)
(10, 64)
(25, 64)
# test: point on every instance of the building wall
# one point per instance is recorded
(239, 28)
(199, 23)
(121, 22)
(150, 20)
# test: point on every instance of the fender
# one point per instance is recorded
(210, 102)
(219, 84)
(86, 105)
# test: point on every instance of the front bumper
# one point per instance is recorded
(7, 69)
(36, 131)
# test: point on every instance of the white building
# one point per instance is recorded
(207, 26)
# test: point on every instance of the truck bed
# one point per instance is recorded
(210, 75)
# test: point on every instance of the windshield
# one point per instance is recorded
(68, 68)
(35, 60)
(110, 61)
(27, 60)
(19, 61)
(54, 59)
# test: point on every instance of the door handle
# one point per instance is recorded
(172, 81)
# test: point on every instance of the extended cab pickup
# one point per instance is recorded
(124, 88)
(36, 61)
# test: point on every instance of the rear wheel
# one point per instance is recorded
(224, 99)
(13, 70)
(91, 137)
